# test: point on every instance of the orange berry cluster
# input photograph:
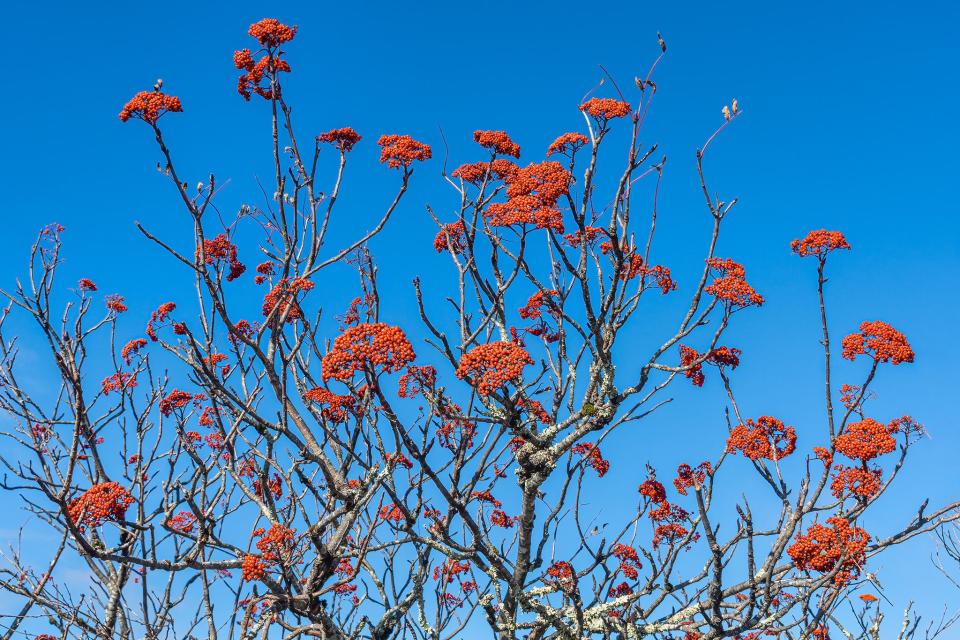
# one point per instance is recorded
(766, 438)
(182, 522)
(275, 545)
(374, 344)
(562, 573)
(691, 477)
(689, 356)
(667, 516)
(456, 433)
(253, 568)
(98, 504)
(819, 243)
(532, 195)
(398, 460)
(161, 315)
(488, 367)
(588, 236)
(451, 237)
(571, 142)
(149, 106)
(653, 491)
(221, 249)
(863, 483)
(540, 300)
(401, 151)
(449, 570)
(270, 33)
(283, 299)
(535, 408)
(731, 285)
(840, 546)
(416, 379)
(866, 440)
(343, 139)
(477, 172)
(629, 560)
(391, 513)
(114, 303)
(498, 142)
(499, 518)
(594, 457)
(176, 399)
(118, 382)
(337, 406)
(720, 356)
(604, 109)
(880, 341)
(131, 348)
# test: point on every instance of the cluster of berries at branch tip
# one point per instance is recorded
(451, 237)
(594, 458)
(118, 382)
(819, 243)
(106, 501)
(260, 77)
(864, 441)
(603, 109)
(182, 522)
(456, 432)
(585, 238)
(562, 574)
(381, 347)
(532, 195)
(691, 477)
(221, 250)
(391, 513)
(281, 302)
(667, 517)
(498, 142)
(692, 361)
(765, 438)
(177, 399)
(630, 564)
(397, 459)
(839, 547)
(402, 151)
(149, 106)
(335, 408)
(131, 348)
(489, 367)
(545, 299)
(880, 341)
(416, 379)
(247, 468)
(478, 172)
(730, 285)
(451, 571)
(158, 318)
(567, 144)
(115, 303)
(275, 545)
(343, 139)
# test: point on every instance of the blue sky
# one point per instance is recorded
(849, 123)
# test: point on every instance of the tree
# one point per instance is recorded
(278, 483)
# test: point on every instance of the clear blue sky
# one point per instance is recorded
(849, 124)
